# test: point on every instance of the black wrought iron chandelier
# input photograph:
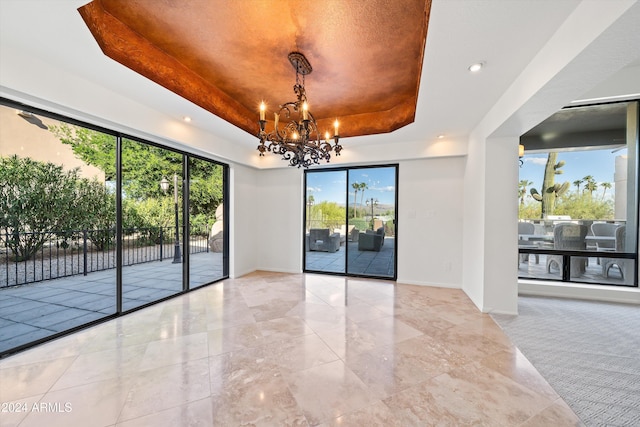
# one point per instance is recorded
(298, 141)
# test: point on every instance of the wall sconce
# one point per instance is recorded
(521, 153)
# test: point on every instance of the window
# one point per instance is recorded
(94, 224)
(578, 196)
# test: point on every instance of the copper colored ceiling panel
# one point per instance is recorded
(227, 56)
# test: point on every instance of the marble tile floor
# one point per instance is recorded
(38, 310)
(276, 349)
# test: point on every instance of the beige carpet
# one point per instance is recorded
(588, 351)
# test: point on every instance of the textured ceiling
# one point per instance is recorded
(227, 56)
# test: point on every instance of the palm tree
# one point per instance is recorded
(363, 186)
(587, 179)
(591, 186)
(356, 188)
(605, 186)
(577, 183)
(522, 189)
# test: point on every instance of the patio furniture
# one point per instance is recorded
(344, 232)
(371, 240)
(607, 230)
(354, 234)
(526, 229)
(624, 265)
(321, 239)
(571, 237)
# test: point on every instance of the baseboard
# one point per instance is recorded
(494, 311)
(579, 291)
(431, 284)
(279, 270)
(240, 274)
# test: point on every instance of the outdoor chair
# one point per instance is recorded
(321, 239)
(571, 237)
(370, 241)
(354, 234)
(529, 229)
(624, 265)
(606, 230)
(379, 231)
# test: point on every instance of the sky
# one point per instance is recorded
(598, 163)
(330, 186)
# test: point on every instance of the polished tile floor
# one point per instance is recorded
(38, 310)
(285, 349)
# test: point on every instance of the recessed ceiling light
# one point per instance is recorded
(474, 68)
(186, 119)
(440, 136)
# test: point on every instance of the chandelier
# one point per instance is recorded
(298, 141)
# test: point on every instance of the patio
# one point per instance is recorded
(37, 310)
(370, 263)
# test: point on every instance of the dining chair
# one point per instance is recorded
(569, 236)
(526, 228)
(624, 265)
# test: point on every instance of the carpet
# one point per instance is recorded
(588, 351)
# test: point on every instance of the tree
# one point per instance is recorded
(144, 166)
(605, 186)
(590, 185)
(582, 205)
(356, 188)
(522, 189)
(37, 201)
(577, 183)
(331, 215)
(363, 186)
(550, 190)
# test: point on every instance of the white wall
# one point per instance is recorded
(277, 212)
(430, 201)
(429, 223)
(473, 222)
(244, 227)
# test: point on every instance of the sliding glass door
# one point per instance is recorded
(350, 221)
(94, 224)
(325, 229)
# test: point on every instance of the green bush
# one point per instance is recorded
(200, 224)
(36, 199)
(95, 210)
(360, 223)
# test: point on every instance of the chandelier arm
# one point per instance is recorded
(308, 147)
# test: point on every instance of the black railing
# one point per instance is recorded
(75, 252)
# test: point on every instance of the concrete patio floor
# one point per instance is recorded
(37, 310)
(370, 263)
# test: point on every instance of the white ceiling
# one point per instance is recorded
(506, 35)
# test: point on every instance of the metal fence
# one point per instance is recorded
(75, 252)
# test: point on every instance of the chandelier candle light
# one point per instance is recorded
(298, 141)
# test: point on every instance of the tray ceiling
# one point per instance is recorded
(227, 56)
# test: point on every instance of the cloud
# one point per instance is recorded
(536, 160)
(316, 189)
(388, 188)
